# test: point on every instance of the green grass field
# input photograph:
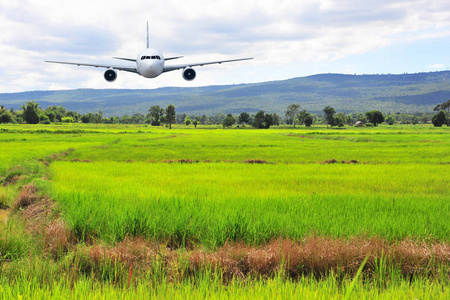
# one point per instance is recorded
(208, 187)
(211, 203)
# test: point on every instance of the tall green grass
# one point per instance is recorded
(211, 203)
(204, 286)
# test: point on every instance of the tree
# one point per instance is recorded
(5, 116)
(268, 121)
(329, 115)
(291, 112)
(348, 120)
(60, 112)
(170, 115)
(308, 120)
(244, 118)
(275, 119)
(444, 106)
(137, 118)
(187, 121)
(31, 112)
(343, 117)
(55, 113)
(301, 116)
(180, 118)
(88, 118)
(156, 112)
(375, 117)
(229, 121)
(424, 118)
(258, 121)
(390, 120)
(339, 121)
(218, 118)
(74, 115)
(439, 119)
(51, 115)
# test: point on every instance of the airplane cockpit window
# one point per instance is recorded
(151, 57)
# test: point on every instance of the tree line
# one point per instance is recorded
(32, 113)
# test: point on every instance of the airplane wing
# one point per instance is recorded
(177, 67)
(128, 59)
(170, 58)
(115, 67)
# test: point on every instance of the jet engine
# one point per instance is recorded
(110, 75)
(189, 74)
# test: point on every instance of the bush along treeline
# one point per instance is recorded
(32, 113)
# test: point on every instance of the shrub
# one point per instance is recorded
(44, 119)
(67, 119)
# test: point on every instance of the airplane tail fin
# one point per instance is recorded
(148, 42)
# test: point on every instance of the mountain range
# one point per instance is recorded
(390, 93)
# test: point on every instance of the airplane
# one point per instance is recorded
(150, 63)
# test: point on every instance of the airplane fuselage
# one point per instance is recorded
(150, 63)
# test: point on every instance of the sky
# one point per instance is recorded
(287, 38)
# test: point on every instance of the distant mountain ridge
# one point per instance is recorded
(418, 92)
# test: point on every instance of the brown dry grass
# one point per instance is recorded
(255, 161)
(10, 180)
(181, 161)
(27, 196)
(129, 251)
(4, 216)
(55, 156)
(41, 219)
(315, 255)
(58, 238)
(79, 160)
(334, 161)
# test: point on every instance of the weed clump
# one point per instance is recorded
(334, 161)
(13, 175)
(255, 161)
(27, 196)
(181, 161)
(57, 238)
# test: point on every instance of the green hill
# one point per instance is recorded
(346, 93)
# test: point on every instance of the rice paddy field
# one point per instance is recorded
(109, 211)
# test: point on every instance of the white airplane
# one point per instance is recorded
(150, 63)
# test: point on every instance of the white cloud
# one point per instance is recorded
(286, 37)
(436, 66)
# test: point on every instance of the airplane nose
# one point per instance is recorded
(150, 69)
